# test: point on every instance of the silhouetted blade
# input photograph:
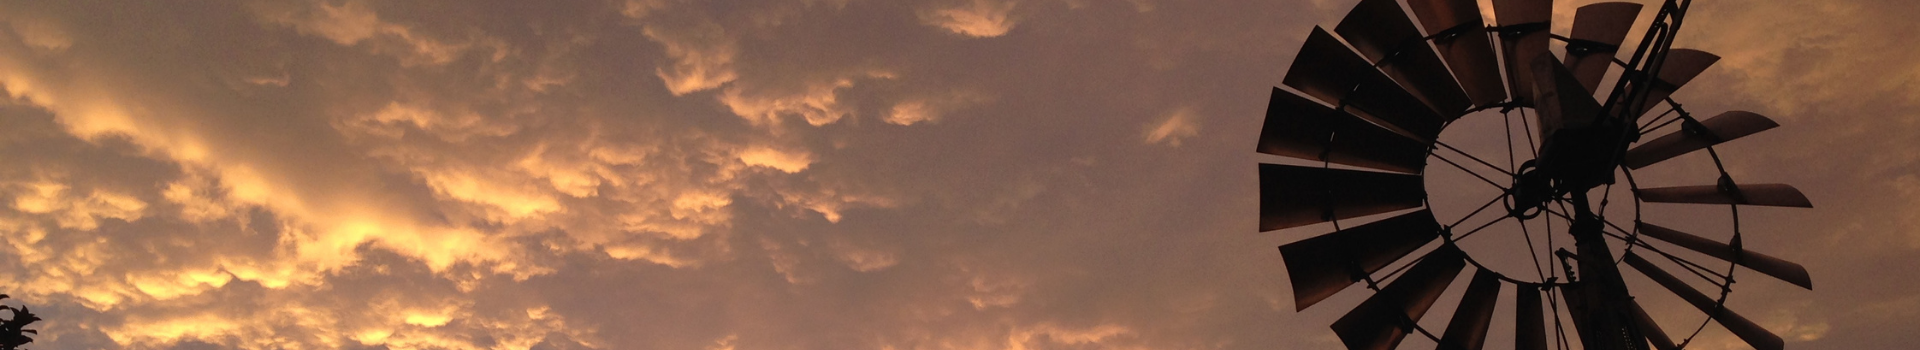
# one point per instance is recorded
(1772, 195)
(1713, 131)
(1465, 46)
(1575, 302)
(1682, 65)
(1781, 269)
(1298, 127)
(1529, 321)
(1321, 266)
(1381, 322)
(1559, 100)
(1598, 30)
(1382, 33)
(1294, 196)
(1523, 36)
(1468, 329)
(1327, 70)
(1755, 336)
(1651, 330)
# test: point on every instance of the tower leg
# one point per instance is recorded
(1606, 321)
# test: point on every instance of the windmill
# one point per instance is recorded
(1368, 101)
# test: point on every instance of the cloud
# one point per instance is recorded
(818, 174)
(1176, 126)
(771, 158)
(975, 18)
(354, 23)
(702, 55)
(931, 108)
(817, 103)
(433, 169)
(40, 34)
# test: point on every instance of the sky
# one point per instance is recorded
(799, 174)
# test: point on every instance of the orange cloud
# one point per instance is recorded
(975, 18)
(1178, 125)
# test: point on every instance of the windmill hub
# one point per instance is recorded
(1530, 192)
(1583, 157)
(1574, 159)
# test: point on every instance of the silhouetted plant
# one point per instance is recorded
(13, 329)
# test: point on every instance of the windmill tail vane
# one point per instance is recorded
(1373, 94)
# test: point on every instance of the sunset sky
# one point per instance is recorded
(798, 174)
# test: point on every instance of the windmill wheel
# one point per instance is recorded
(1369, 102)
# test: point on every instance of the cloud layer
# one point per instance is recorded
(814, 174)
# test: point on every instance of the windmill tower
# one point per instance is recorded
(1369, 100)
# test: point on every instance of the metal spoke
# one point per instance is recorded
(1476, 159)
(1531, 146)
(1649, 126)
(1507, 125)
(1553, 302)
(1696, 268)
(1483, 207)
(1669, 121)
(1482, 227)
(1397, 271)
(1470, 172)
(1533, 253)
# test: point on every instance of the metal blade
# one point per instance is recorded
(1468, 329)
(1529, 321)
(1752, 333)
(1463, 41)
(1515, 12)
(1560, 101)
(1380, 30)
(1327, 70)
(1298, 127)
(1598, 30)
(1681, 66)
(1381, 322)
(1321, 266)
(1294, 196)
(1772, 195)
(1651, 330)
(1524, 35)
(1781, 269)
(1713, 131)
(1577, 308)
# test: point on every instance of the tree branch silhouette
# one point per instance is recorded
(13, 329)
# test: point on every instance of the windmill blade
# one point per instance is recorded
(1530, 327)
(1575, 302)
(1681, 66)
(1713, 131)
(1598, 30)
(1776, 267)
(1752, 333)
(1560, 101)
(1294, 196)
(1462, 40)
(1381, 322)
(1524, 35)
(1772, 195)
(1468, 329)
(1300, 128)
(1382, 33)
(1649, 329)
(1327, 70)
(1321, 266)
